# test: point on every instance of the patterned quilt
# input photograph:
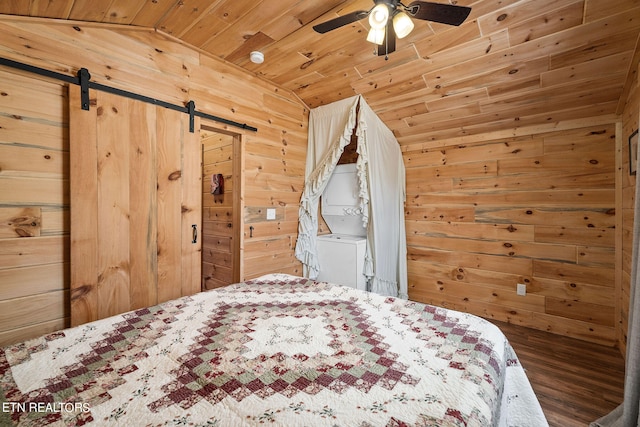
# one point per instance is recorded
(279, 350)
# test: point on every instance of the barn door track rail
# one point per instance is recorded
(83, 79)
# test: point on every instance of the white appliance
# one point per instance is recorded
(341, 258)
(341, 253)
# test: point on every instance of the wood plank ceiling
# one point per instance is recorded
(512, 63)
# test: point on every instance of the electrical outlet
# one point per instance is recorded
(271, 213)
(521, 289)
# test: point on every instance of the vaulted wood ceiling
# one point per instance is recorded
(512, 63)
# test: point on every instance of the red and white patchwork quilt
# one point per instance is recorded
(279, 350)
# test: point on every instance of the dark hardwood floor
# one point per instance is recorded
(576, 382)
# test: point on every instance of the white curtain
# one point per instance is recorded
(386, 234)
(381, 178)
(628, 413)
(330, 129)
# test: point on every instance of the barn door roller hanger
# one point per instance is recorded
(83, 79)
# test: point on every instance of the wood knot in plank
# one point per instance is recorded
(21, 232)
(26, 224)
(459, 273)
(307, 64)
(80, 292)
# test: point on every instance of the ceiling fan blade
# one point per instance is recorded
(438, 12)
(389, 44)
(340, 21)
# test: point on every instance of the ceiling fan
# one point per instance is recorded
(391, 18)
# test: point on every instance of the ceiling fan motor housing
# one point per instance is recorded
(393, 4)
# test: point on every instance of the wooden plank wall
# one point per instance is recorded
(492, 211)
(34, 207)
(630, 123)
(217, 211)
(35, 143)
(273, 178)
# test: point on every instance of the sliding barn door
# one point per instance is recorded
(135, 178)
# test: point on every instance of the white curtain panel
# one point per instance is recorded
(330, 129)
(381, 178)
(386, 234)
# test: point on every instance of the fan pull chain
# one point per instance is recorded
(386, 43)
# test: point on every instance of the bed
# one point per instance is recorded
(277, 350)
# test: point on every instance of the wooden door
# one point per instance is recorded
(221, 223)
(135, 180)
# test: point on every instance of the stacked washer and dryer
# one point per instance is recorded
(341, 253)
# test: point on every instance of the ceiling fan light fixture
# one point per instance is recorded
(376, 35)
(379, 16)
(391, 20)
(402, 24)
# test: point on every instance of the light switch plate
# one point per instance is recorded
(271, 213)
